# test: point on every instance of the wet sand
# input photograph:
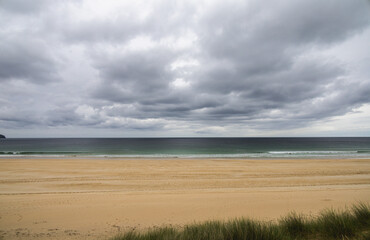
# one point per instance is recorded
(96, 198)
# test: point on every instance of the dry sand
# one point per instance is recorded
(96, 198)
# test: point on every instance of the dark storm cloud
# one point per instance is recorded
(256, 56)
(25, 53)
(140, 78)
(180, 64)
(26, 60)
(252, 62)
(269, 40)
(266, 33)
(141, 72)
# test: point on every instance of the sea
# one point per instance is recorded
(260, 148)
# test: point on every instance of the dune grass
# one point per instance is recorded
(351, 223)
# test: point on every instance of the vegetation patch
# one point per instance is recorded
(351, 223)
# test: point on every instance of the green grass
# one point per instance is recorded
(353, 223)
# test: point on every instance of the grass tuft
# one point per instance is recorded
(337, 225)
(249, 229)
(361, 212)
(352, 223)
(295, 224)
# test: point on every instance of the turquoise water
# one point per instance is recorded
(188, 147)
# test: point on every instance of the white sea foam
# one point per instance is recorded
(313, 152)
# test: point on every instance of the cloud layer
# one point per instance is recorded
(183, 68)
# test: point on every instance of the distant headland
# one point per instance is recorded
(2, 136)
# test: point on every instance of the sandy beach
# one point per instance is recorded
(97, 198)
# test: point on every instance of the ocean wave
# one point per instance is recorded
(313, 152)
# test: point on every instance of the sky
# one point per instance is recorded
(201, 68)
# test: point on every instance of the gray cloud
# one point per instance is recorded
(163, 18)
(24, 6)
(182, 66)
(26, 60)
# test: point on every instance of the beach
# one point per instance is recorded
(96, 198)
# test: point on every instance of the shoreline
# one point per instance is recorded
(97, 198)
(173, 157)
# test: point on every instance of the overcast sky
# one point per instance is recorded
(184, 68)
